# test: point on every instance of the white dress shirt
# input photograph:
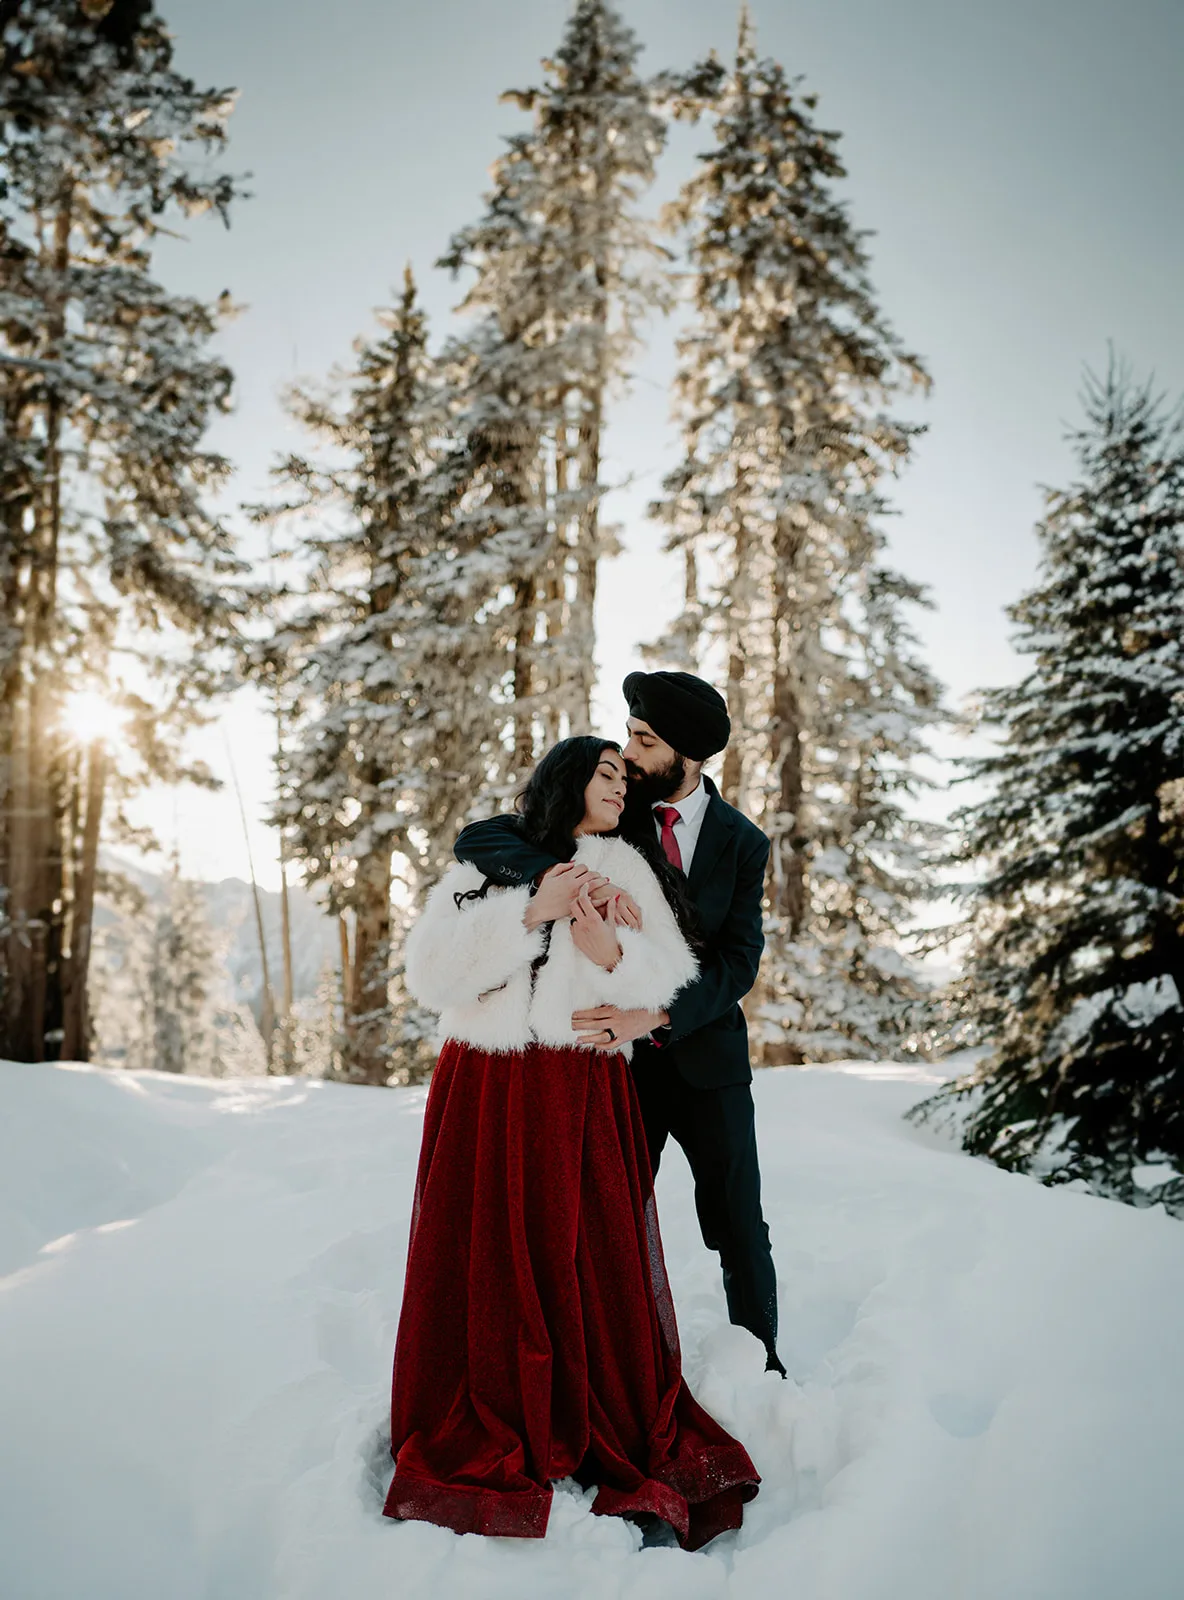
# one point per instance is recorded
(692, 808)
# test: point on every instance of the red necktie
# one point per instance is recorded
(668, 816)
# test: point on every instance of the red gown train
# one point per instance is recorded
(537, 1338)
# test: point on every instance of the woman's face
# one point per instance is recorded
(604, 798)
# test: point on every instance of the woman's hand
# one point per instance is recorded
(557, 890)
(628, 910)
(593, 935)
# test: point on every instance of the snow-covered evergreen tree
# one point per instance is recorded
(314, 1032)
(846, 982)
(454, 534)
(106, 388)
(784, 374)
(384, 749)
(163, 996)
(564, 270)
(1075, 974)
(181, 971)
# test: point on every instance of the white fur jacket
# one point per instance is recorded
(472, 963)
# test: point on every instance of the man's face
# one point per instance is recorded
(656, 770)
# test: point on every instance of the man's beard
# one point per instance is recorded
(649, 788)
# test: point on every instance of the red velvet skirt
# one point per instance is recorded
(537, 1338)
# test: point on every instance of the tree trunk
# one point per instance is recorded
(16, 492)
(732, 777)
(76, 1007)
(557, 610)
(267, 999)
(786, 875)
(587, 552)
(367, 1024)
(526, 613)
(346, 969)
(787, 882)
(34, 855)
(286, 935)
(692, 610)
(31, 887)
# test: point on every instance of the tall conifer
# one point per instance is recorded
(785, 372)
(1074, 982)
(108, 553)
(384, 749)
(563, 272)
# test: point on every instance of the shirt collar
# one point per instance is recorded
(691, 805)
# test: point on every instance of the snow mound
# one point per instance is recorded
(199, 1287)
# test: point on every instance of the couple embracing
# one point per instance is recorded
(587, 958)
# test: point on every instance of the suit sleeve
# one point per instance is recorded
(498, 850)
(727, 971)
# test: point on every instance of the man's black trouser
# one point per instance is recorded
(716, 1129)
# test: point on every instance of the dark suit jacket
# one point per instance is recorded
(707, 1037)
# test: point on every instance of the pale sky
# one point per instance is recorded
(1019, 164)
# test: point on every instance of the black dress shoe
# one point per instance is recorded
(773, 1364)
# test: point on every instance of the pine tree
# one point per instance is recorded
(163, 996)
(784, 373)
(314, 1032)
(846, 983)
(107, 553)
(1076, 967)
(182, 970)
(381, 759)
(563, 268)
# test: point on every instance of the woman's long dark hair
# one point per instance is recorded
(551, 808)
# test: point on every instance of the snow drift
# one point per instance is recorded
(200, 1286)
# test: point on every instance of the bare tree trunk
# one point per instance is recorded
(285, 910)
(76, 1010)
(526, 612)
(24, 1034)
(591, 422)
(787, 885)
(35, 882)
(16, 501)
(787, 879)
(367, 1024)
(346, 968)
(267, 999)
(32, 888)
(588, 551)
(283, 1061)
(692, 609)
(63, 796)
(555, 598)
(732, 777)
(286, 935)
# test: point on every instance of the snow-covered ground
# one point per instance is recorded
(199, 1284)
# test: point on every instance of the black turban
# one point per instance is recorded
(687, 713)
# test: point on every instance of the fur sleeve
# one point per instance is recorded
(656, 961)
(455, 953)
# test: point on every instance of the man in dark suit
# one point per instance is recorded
(690, 1062)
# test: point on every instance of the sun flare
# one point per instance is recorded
(88, 716)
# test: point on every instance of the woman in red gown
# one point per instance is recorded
(537, 1339)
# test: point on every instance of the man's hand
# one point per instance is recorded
(557, 891)
(628, 911)
(598, 1023)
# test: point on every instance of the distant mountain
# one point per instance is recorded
(232, 913)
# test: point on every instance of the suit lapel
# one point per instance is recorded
(713, 836)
